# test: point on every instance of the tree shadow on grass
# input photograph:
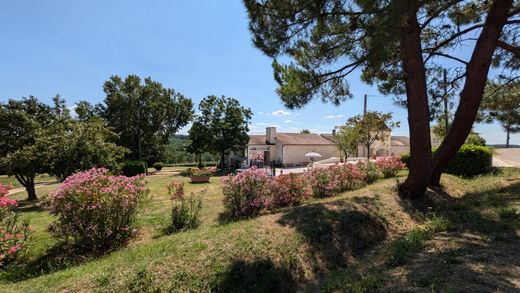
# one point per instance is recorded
(59, 257)
(479, 251)
(338, 231)
(259, 275)
(24, 206)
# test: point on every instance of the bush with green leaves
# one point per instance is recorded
(471, 160)
(185, 209)
(158, 166)
(133, 168)
(371, 171)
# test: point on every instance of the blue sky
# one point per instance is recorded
(197, 47)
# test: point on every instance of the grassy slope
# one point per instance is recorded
(362, 240)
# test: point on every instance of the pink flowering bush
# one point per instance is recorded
(96, 210)
(320, 182)
(13, 235)
(289, 190)
(389, 166)
(335, 179)
(4, 190)
(247, 193)
(185, 209)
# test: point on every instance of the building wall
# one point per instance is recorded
(294, 155)
(383, 146)
(399, 150)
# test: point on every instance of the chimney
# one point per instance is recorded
(270, 134)
(334, 132)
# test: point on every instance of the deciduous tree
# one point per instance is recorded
(371, 127)
(144, 115)
(347, 140)
(226, 122)
(24, 142)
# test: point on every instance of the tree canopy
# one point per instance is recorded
(144, 115)
(36, 138)
(371, 127)
(402, 47)
(347, 140)
(23, 140)
(225, 122)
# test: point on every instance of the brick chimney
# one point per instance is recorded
(270, 134)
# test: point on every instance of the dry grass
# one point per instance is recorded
(361, 241)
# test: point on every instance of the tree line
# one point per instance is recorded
(136, 121)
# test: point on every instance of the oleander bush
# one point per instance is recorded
(13, 235)
(371, 172)
(185, 209)
(335, 179)
(95, 210)
(246, 194)
(320, 182)
(389, 166)
(289, 190)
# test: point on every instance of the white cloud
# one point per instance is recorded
(335, 116)
(266, 124)
(288, 121)
(280, 113)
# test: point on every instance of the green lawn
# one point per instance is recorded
(360, 241)
(11, 180)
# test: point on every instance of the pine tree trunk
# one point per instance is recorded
(472, 93)
(507, 136)
(418, 109)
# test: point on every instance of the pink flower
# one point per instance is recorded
(13, 249)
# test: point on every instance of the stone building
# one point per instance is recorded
(288, 149)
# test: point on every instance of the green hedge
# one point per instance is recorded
(469, 161)
(132, 168)
(158, 166)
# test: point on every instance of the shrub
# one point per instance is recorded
(346, 177)
(405, 158)
(471, 160)
(475, 139)
(246, 194)
(320, 182)
(95, 210)
(13, 235)
(203, 172)
(338, 178)
(389, 166)
(372, 173)
(4, 190)
(133, 168)
(158, 166)
(289, 190)
(185, 209)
